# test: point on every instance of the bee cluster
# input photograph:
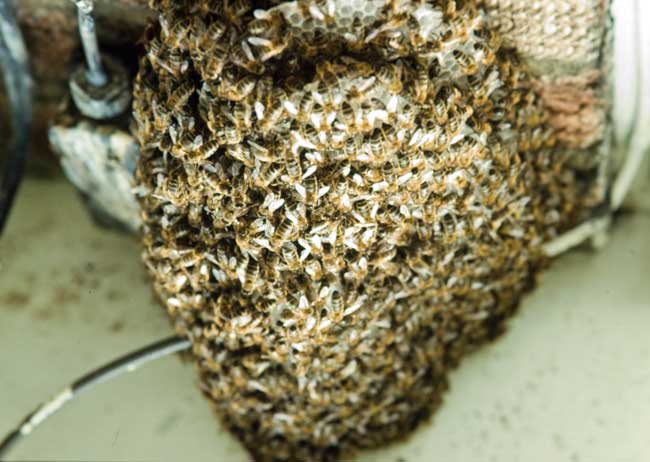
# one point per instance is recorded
(341, 198)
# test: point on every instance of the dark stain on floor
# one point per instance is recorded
(114, 295)
(30, 278)
(168, 423)
(64, 295)
(44, 314)
(117, 326)
(15, 299)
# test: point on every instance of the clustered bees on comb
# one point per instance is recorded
(341, 199)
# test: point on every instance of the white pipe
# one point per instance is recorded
(633, 73)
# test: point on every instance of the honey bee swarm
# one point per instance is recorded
(341, 198)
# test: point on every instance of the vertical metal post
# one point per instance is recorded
(14, 69)
(95, 70)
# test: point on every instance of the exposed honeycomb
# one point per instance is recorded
(553, 34)
(341, 199)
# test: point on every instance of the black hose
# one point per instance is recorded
(111, 370)
(18, 85)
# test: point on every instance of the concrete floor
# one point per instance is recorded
(570, 381)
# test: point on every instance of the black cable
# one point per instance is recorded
(18, 84)
(127, 363)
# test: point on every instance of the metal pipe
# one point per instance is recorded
(18, 84)
(115, 368)
(95, 72)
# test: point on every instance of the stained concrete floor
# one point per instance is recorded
(569, 381)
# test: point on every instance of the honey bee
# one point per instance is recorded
(391, 76)
(210, 6)
(327, 71)
(390, 135)
(284, 232)
(336, 308)
(406, 117)
(177, 33)
(269, 48)
(538, 139)
(198, 52)
(460, 27)
(479, 125)
(155, 48)
(487, 56)
(266, 24)
(175, 63)
(454, 125)
(290, 256)
(500, 154)
(180, 96)
(323, 91)
(479, 90)
(351, 147)
(364, 207)
(260, 153)
(314, 270)
(293, 169)
(310, 134)
(322, 10)
(534, 119)
(441, 107)
(356, 93)
(248, 242)
(186, 145)
(500, 111)
(216, 30)
(242, 56)
(192, 171)
(421, 85)
(377, 145)
(434, 138)
(275, 110)
(311, 189)
(353, 68)
(466, 62)
(306, 106)
(162, 117)
(468, 151)
(490, 36)
(165, 143)
(268, 175)
(250, 275)
(236, 88)
(172, 188)
(190, 258)
(207, 150)
(388, 173)
(234, 9)
(212, 65)
(346, 115)
(241, 115)
(240, 153)
(228, 134)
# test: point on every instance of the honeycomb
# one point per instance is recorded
(340, 200)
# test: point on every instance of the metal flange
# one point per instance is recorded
(106, 101)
